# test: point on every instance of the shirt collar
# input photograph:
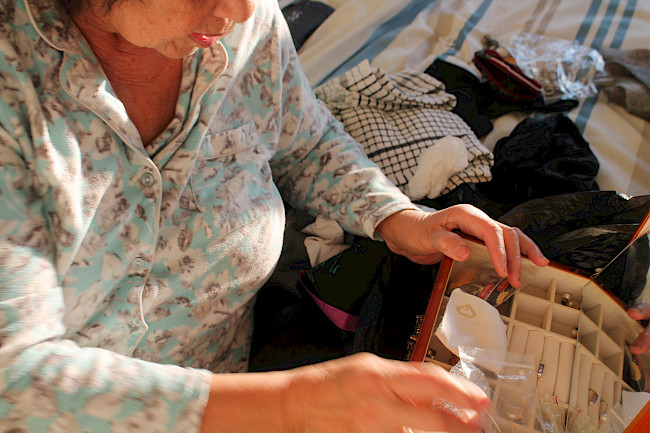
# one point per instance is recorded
(54, 25)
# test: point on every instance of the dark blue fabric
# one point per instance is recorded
(304, 17)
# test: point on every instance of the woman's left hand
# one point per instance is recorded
(424, 237)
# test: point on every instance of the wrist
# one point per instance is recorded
(246, 402)
(394, 223)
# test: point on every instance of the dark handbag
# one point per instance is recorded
(372, 294)
(506, 78)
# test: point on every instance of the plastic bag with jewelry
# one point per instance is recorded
(509, 381)
(565, 69)
(558, 418)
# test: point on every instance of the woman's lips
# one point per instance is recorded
(206, 41)
(203, 40)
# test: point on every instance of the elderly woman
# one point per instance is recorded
(143, 148)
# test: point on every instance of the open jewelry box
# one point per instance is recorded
(575, 331)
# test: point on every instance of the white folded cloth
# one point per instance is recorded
(436, 165)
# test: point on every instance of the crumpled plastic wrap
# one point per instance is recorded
(566, 69)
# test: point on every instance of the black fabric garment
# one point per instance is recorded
(290, 331)
(466, 88)
(540, 158)
(304, 17)
(585, 231)
(470, 193)
(387, 292)
(478, 103)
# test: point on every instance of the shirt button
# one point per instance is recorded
(138, 263)
(147, 179)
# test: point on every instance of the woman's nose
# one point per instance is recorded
(236, 10)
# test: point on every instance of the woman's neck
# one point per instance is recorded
(144, 80)
(120, 59)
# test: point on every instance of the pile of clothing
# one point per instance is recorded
(424, 131)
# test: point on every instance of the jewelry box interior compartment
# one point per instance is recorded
(575, 332)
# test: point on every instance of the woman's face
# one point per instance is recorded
(175, 28)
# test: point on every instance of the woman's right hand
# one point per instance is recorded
(359, 393)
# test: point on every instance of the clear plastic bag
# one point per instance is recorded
(566, 69)
(509, 381)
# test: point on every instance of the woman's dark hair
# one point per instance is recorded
(75, 5)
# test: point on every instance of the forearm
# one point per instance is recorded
(247, 403)
(334, 178)
(87, 389)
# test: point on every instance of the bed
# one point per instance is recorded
(395, 36)
(400, 35)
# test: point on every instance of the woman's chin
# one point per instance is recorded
(177, 49)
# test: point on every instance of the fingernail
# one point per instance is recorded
(477, 422)
(462, 252)
(473, 419)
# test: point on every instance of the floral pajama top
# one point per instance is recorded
(127, 273)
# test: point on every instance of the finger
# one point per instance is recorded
(413, 382)
(477, 223)
(513, 255)
(496, 246)
(642, 342)
(640, 311)
(531, 250)
(441, 419)
(428, 382)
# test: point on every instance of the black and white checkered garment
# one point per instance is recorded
(396, 117)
